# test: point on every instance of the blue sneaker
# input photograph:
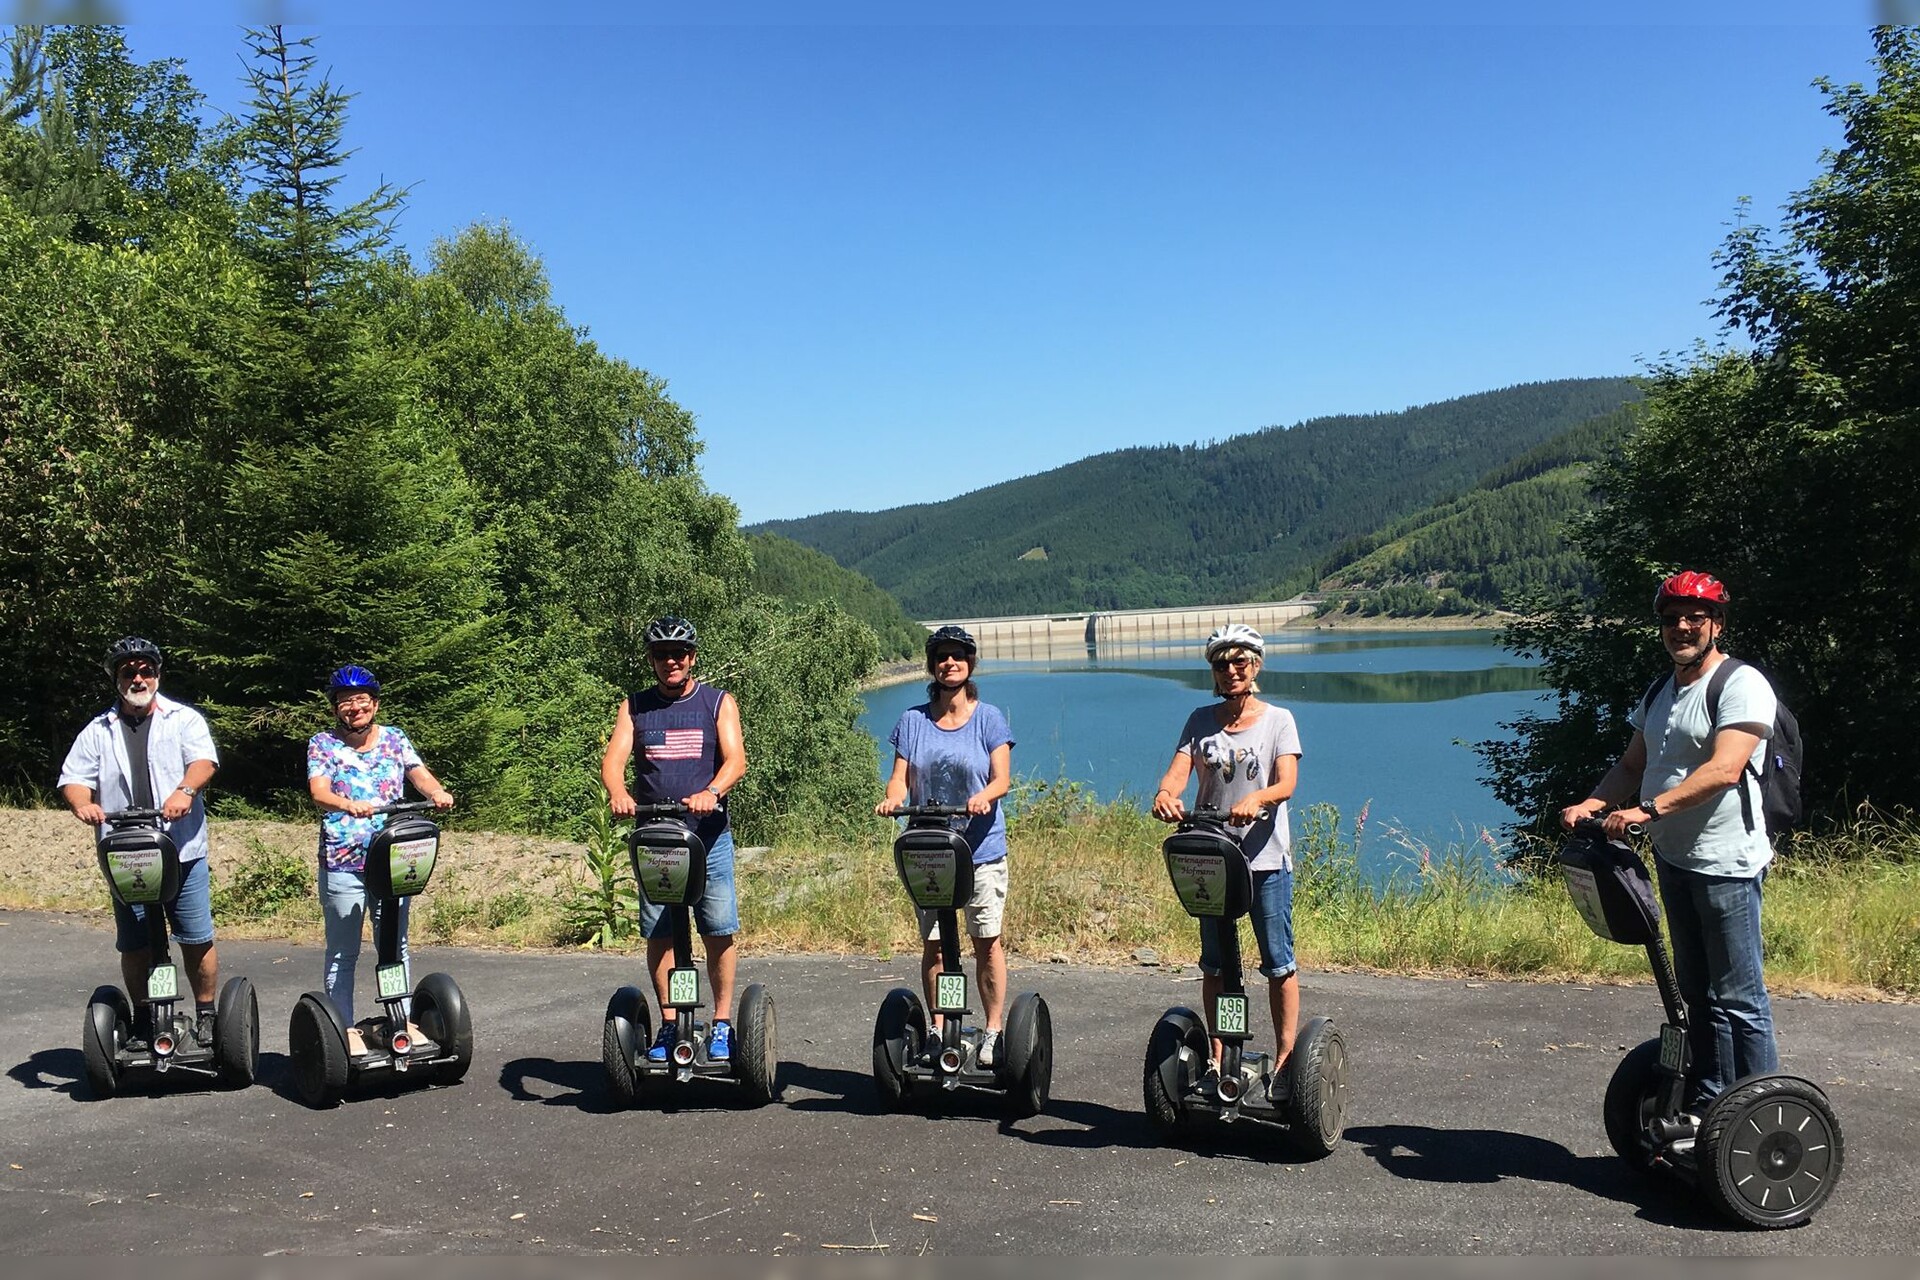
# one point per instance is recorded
(720, 1044)
(663, 1043)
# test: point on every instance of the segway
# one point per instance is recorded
(1308, 1099)
(142, 868)
(936, 866)
(670, 866)
(1768, 1151)
(400, 859)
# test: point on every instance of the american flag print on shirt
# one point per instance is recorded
(673, 744)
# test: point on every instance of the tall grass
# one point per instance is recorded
(1842, 913)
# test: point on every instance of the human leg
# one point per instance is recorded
(986, 915)
(1737, 978)
(1213, 951)
(1707, 1028)
(191, 915)
(718, 916)
(343, 907)
(1273, 933)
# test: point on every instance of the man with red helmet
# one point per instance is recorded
(1680, 776)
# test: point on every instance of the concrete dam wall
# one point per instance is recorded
(1039, 637)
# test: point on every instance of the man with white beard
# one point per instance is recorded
(150, 752)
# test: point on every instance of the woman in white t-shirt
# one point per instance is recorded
(1246, 754)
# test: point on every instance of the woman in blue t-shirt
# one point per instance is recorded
(955, 749)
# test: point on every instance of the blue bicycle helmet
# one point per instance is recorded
(350, 677)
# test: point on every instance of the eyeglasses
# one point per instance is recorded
(355, 700)
(1698, 619)
(1240, 663)
(136, 669)
(669, 655)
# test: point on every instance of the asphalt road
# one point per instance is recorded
(1474, 1127)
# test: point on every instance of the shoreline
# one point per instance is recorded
(908, 670)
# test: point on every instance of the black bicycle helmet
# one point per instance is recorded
(952, 635)
(350, 677)
(126, 649)
(672, 629)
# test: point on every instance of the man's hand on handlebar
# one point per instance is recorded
(889, 804)
(1588, 808)
(623, 805)
(1627, 822)
(91, 814)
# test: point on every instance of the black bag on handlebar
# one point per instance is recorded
(1610, 886)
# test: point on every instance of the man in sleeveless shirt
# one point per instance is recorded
(683, 738)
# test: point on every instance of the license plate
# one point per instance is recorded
(163, 983)
(1230, 1015)
(950, 993)
(683, 988)
(1673, 1048)
(392, 979)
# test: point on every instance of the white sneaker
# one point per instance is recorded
(989, 1046)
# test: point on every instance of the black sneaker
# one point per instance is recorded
(1210, 1078)
(203, 1032)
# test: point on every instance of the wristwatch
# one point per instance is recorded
(187, 791)
(717, 793)
(1652, 806)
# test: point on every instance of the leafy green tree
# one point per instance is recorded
(1789, 470)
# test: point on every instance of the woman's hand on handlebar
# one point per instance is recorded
(358, 808)
(623, 805)
(889, 804)
(978, 805)
(442, 799)
(1167, 806)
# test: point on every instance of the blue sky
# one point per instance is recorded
(890, 259)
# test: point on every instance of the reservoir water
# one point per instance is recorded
(1387, 721)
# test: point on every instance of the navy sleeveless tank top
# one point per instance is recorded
(676, 750)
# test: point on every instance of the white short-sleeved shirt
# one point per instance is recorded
(176, 738)
(1710, 838)
(1231, 766)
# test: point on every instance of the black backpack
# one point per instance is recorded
(1779, 776)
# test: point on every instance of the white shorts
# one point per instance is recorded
(984, 910)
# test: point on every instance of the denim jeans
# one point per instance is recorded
(1272, 928)
(343, 902)
(717, 914)
(1714, 925)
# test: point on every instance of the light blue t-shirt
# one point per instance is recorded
(1710, 838)
(946, 766)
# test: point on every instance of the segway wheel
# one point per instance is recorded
(626, 1035)
(1164, 1079)
(1769, 1151)
(1633, 1095)
(754, 1060)
(236, 1034)
(1317, 1109)
(108, 1024)
(318, 1047)
(898, 1033)
(1026, 1069)
(441, 1011)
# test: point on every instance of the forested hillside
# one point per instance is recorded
(801, 575)
(235, 418)
(1239, 519)
(1507, 536)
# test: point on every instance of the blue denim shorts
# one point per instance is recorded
(1272, 928)
(717, 914)
(190, 915)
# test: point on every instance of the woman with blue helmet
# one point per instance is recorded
(353, 769)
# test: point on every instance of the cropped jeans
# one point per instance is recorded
(343, 901)
(1714, 924)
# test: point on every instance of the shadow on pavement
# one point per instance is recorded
(58, 1069)
(584, 1084)
(1098, 1127)
(1461, 1156)
(845, 1091)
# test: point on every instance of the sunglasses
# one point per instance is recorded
(1238, 664)
(952, 655)
(669, 655)
(1689, 619)
(135, 669)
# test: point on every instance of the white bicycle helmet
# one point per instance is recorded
(1235, 635)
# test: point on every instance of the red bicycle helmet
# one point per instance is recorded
(1690, 584)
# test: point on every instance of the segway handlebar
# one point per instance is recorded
(132, 817)
(664, 809)
(1598, 827)
(930, 811)
(406, 806)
